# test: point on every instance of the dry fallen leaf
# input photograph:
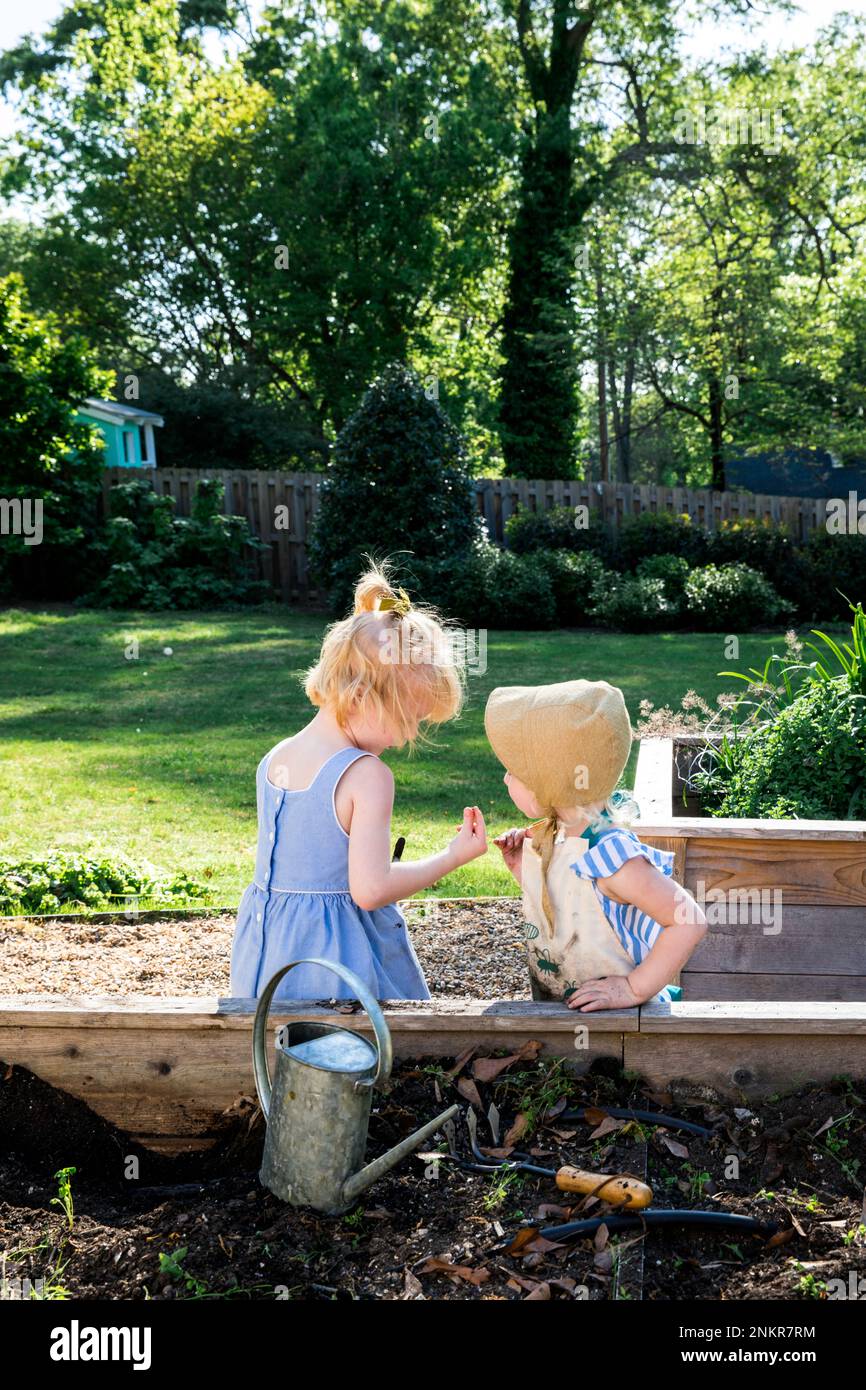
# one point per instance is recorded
(547, 1210)
(606, 1126)
(488, 1068)
(542, 1292)
(469, 1091)
(554, 1110)
(529, 1238)
(412, 1287)
(781, 1238)
(673, 1145)
(603, 1261)
(459, 1064)
(501, 1152)
(517, 1130)
(795, 1223)
(825, 1125)
(455, 1273)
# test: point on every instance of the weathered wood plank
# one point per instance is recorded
(653, 779)
(167, 1071)
(772, 938)
(190, 1013)
(724, 828)
(698, 985)
(167, 1075)
(742, 1064)
(831, 872)
(753, 1017)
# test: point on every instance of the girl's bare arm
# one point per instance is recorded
(374, 880)
(640, 883)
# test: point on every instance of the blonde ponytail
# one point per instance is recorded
(389, 658)
(373, 586)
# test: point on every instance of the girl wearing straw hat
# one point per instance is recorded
(606, 925)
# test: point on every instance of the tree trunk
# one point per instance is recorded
(601, 369)
(538, 378)
(717, 456)
(538, 398)
(624, 438)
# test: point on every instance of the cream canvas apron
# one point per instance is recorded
(583, 945)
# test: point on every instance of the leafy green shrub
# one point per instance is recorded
(721, 598)
(460, 589)
(672, 570)
(64, 881)
(521, 593)
(633, 604)
(399, 481)
(809, 762)
(152, 559)
(831, 566)
(763, 546)
(574, 580)
(555, 529)
(487, 588)
(659, 533)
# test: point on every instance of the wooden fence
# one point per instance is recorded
(280, 507)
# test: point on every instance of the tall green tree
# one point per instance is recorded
(286, 219)
(579, 62)
(50, 462)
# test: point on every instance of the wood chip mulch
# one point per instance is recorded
(467, 950)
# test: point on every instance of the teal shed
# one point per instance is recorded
(129, 436)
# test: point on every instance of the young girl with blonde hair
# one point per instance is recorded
(325, 884)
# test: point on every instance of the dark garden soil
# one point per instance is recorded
(203, 1227)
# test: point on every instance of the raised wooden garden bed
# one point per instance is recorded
(786, 900)
(774, 997)
(173, 1073)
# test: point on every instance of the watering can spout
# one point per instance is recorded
(355, 1185)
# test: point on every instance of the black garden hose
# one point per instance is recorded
(629, 1221)
(652, 1117)
(517, 1160)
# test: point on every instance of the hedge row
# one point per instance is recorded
(811, 577)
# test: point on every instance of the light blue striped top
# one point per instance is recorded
(636, 932)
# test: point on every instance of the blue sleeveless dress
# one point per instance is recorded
(299, 903)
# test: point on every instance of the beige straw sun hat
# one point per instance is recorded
(568, 743)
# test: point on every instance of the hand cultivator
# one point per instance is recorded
(622, 1190)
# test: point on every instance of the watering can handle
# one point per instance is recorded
(377, 1018)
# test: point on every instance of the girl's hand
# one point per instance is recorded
(471, 839)
(510, 846)
(610, 992)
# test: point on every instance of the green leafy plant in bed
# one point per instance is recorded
(68, 882)
(800, 750)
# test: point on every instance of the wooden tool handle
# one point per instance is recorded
(619, 1189)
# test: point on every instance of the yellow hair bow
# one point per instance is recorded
(401, 605)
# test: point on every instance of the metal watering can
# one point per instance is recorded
(318, 1108)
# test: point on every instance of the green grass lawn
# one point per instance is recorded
(156, 757)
